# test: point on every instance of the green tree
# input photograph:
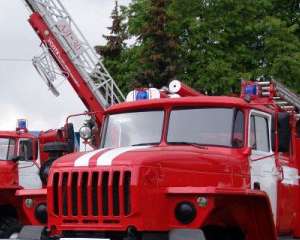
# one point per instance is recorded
(226, 40)
(116, 39)
(210, 44)
(158, 45)
(117, 58)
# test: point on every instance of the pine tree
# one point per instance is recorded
(115, 53)
(158, 56)
(117, 37)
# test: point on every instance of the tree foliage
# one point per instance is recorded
(115, 41)
(209, 44)
(158, 45)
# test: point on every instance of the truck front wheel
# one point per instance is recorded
(223, 233)
(9, 227)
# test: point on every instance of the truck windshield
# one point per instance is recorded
(7, 148)
(133, 129)
(207, 126)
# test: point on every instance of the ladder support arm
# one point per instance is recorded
(63, 61)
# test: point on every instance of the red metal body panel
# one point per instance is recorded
(156, 170)
(46, 137)
(240, 205)
(16, 198)
(25, 211)
(9, 177)
(16, 134)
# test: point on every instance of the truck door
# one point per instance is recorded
(264, 174)
(289, 186)
(8, 167)
(28, 171)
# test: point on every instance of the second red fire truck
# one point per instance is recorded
(25, 158)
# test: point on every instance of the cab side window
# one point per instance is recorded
(238, 130)
(26, 150)
(7, 148)
(12, 149)
(259, 134)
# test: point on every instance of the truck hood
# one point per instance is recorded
(214, 159)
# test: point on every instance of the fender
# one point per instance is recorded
(250, 209)
(28, 200)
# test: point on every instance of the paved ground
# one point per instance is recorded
(287, 238)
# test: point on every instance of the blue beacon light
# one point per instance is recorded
(142, 95)
(22, 124)
(251, 90)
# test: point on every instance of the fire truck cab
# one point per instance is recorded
(18, 151)
(197, 167)
(19, 171)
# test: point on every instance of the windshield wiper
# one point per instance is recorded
(198, 145)
(144, 144)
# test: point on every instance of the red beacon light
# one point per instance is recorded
(22, 126)
(143, 94)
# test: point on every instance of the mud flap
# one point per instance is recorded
(186, 234)
(31, 233)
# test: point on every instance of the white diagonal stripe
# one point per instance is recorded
(106, 158)
(84, 160)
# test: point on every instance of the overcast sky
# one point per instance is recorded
(23, 94)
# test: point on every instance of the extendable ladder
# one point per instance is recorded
(284, 98)
(79, 51)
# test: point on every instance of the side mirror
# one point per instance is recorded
(70, 135)
(284, 132)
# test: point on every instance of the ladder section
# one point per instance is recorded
(282, 96)
(286, 94)
(82, 56)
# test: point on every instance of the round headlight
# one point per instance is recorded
(85, 132)
(41, 213)
(185, 212)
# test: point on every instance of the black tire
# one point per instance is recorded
(220, 233)
(9, 226)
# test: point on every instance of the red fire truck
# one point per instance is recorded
(24, 161)
(196, 167)
(181, 166)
